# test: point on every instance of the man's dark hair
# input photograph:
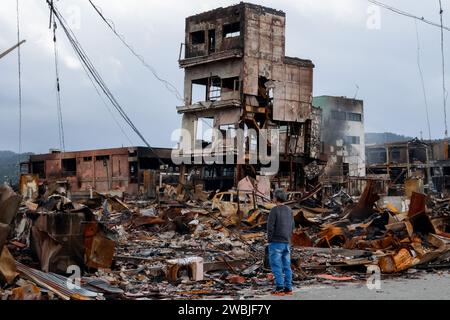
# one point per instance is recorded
(280, 195)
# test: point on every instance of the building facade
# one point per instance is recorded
(343, 137)
(120, 169)
(238, 79)
(400, 161)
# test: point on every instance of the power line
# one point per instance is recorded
(170, 87)
(422, 80)
(106, 105)
(19, 63)
(95, 76)
(58, 94)
(103, 101)
(444, 90)
(442, 28)
(406, 14)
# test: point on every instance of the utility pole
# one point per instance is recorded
(12, 49)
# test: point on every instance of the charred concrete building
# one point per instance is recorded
(238, 78)
(124, 170)
(343, 137)
(420, 160)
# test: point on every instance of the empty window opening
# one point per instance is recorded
(232, 30)
(228, 172)
(251, 139)
(265, 91)
(102, 158)
(253, 143)
(226, 197)
(271, 94)
(149, 163)
(395, 155)
(212, 41)
(376, 156)
(228, 131)
(69, 165)
(283, 129)
(133, 172)
(229, 135)
(231, 84)
(211, 89)
(339, 115)
(345, 169)
(209, 173)
(357, 117)
(199, 90)
(215, 89)
(198, 37)
(87, 159)
(352, 140)
(417, 155)
(205, 129)
(38, 168)
(446, 171)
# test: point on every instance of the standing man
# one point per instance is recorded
(280, 227)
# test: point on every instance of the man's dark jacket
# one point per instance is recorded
(280, 225)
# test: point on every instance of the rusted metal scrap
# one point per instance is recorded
(417, 205)
(61, 286)
(4, 232)
(9, 204)
(57, 240)
(332, 236)
(8, 271)
(29, 292)
(99, 245)
(301, 239)
(396, 262)
(364, 208)
(143, 221)
(217, 235)
(73, 237)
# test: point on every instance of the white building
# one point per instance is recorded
(343, 138)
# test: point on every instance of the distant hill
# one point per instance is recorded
(8, 165)
(387, 137)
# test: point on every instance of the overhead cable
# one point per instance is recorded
(419, 65)
(406, 14)
(95, 76)
(170, 87)
(19, 65)
(444, 89)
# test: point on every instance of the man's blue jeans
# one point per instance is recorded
(280, 262)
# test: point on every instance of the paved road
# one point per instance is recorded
(426, 286)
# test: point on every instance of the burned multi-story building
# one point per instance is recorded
(400, 161)
(343, 138)
(415, 159)
(238, 79)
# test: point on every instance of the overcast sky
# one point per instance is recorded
(348, 44)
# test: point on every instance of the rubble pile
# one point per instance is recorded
(189, 244)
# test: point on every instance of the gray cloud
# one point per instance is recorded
(333, 33)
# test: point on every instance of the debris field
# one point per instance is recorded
(188, 244)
